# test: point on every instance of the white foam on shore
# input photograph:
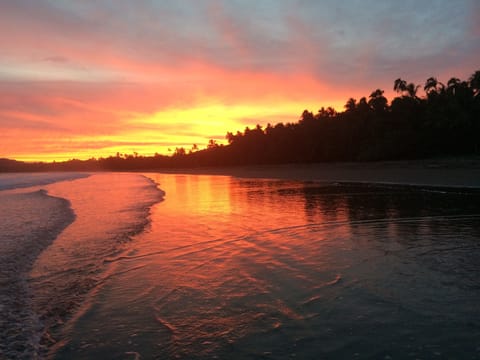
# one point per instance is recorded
(25, 180)
(110, 208)
(48, 261)
(30, 222)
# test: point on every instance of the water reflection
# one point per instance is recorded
(244, 269)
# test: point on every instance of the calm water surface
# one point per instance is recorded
(265, 269)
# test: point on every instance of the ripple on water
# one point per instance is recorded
(278, 274)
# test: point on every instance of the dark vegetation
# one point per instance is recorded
(443, 122)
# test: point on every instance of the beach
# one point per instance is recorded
(243, 267)
(241, 180)
(279, 262)
(456, 172)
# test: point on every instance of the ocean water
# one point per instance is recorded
(265, 269)
(55, 232)
(29, 221)
(164, 266)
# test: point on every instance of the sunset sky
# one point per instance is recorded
(91, 78)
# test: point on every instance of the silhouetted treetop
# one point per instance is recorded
(446, 121)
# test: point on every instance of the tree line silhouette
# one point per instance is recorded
(444, 122)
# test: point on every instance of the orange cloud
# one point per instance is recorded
(176, 107)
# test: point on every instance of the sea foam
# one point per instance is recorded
(54, 238)
(30, 221)
(110, 208)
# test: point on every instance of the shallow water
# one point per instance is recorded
(29, 222)
(245, 269)
(109, 209)
(54, 238)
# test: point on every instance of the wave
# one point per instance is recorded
(53, 241)
(30, 222)
(110, 209)
(25, 180)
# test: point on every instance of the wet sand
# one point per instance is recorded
(455, 172)
(234, 268)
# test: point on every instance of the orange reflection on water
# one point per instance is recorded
(224, 259)
(226, 205)
(210, 194)
(242, 269)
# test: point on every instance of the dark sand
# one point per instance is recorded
(455, 172)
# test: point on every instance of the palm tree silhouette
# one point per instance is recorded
(474, 82)
(351, 105)
(452, 85)
(377, 101)
(400, 85)
(433, 86)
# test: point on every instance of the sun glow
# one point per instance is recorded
(165, 130)
(196, 125)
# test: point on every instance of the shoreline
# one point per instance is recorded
(454, 172)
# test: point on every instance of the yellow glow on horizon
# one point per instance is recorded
(165, 130)
(216, 119)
